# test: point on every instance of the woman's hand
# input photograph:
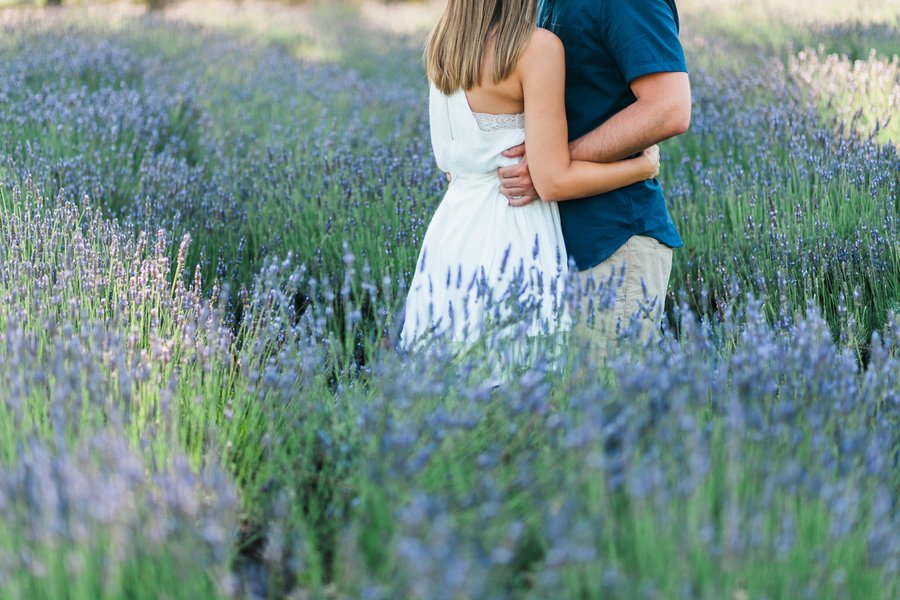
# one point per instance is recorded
(650, 159)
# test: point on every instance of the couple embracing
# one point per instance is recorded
(545, 117)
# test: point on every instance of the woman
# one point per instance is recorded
(496, 80)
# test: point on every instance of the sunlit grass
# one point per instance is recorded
(862, 95)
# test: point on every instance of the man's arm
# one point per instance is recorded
(662, 110)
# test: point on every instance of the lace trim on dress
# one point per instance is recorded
(489, 123)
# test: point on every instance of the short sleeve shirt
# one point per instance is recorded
(609, 43)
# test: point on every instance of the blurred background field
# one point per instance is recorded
(209, 214)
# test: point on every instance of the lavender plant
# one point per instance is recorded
(96, 521)
(695, 473)
(101, 329)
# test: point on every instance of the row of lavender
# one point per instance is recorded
(142, 436)
(166, 432)
(137, 426)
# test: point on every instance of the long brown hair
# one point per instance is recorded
(456, 46)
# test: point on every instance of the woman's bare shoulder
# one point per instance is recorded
(546, 37)
(543, 46)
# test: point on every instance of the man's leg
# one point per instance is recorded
(640, 270)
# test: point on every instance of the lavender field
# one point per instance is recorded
(208, 220)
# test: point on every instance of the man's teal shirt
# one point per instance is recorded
(609, 43)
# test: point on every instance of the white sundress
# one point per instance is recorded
(482, 261)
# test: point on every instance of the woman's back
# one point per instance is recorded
(462, 146)
(492, 97)
(471, 128)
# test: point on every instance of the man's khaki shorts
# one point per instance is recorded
(624, 292)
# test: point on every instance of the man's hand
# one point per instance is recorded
(515, 181)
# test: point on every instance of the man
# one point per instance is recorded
(626, 89)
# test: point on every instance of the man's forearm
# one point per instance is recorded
(662, 109)
(626, 133)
